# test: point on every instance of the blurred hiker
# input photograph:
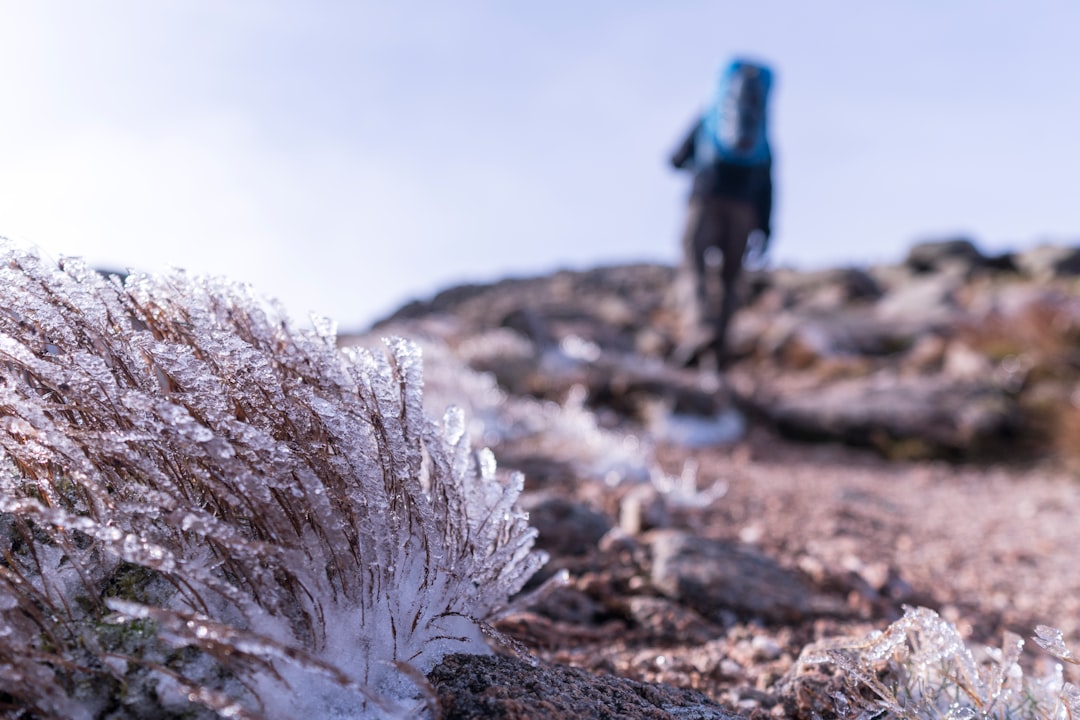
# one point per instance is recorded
(730, 205)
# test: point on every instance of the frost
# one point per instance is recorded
(1051, 640)
(683, 491)
(325, 327)
(919, 667)
(181, 467)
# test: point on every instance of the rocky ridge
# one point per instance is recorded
(707, 541)
(949, 354)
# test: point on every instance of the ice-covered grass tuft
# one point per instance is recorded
(200, 503)
(919, 668)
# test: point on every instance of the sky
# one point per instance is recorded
(349, 156)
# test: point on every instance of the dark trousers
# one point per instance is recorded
(714, 243)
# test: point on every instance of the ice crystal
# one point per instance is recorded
(1051, 640)
(683, 491)
(201, 503)
(521, 426)
(920, 668)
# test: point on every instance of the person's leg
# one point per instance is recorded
(698, 289)
(738, 223)
(690, 284)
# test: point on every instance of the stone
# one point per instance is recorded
(931, 299)
(821, 289)
(800, 339)
(719, 578)
(936, 255)
(943, 415)
(487, 686)
(565, 527)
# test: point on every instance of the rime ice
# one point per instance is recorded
(919, 667)
(179, 466)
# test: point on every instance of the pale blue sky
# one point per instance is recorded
(348, 156)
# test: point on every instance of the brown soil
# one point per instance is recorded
(991, 548)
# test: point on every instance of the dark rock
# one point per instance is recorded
(927, 415)
(571, 608)
(529, 323)
(497, 687)
(566, 527)
(820, 289)
(937, 255)
(1005, 262)
(718, 578)
(626, 383)
(666, 620)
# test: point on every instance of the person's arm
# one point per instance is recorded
(684, 156)
(762, 199)
(764, 205)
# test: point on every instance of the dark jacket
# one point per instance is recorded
(752, 183)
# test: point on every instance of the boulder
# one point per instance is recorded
(485, 686)
(722, 579)
(936, 415)
(565, 527)
(819, 289)
(949, 254)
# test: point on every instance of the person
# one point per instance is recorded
(730, 206)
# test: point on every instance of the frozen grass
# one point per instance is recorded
(200, 503)
(920, 668)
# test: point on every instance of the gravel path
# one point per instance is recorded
(990, 548)
(987, 545)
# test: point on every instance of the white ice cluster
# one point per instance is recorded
(919, 668)
(201, 503)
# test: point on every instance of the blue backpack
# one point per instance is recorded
(734, 128)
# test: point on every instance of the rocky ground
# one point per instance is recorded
(891, 436)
